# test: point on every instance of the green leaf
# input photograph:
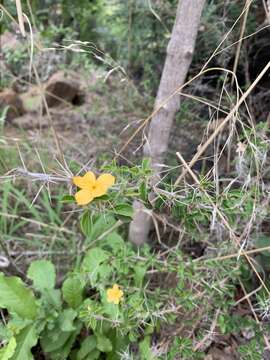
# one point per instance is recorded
(55, 339)
(93, 258)
(104, 344)
(65, 351)
(72, 290)
(69, 199)
(86, 223)
(66, 319)
(143, 191)
(115, 242)
(26, 339)
(42, 273)
(92, 264)
(146, 164)
(124, 210)
(5, 332)
(15, 297)
(7, 352)
(52, 298)
(145, 349)
(58, 344)
(139, 273)
(16, 324)
(101, 225)
(94, 355)
(88, 345)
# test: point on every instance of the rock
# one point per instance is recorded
(62, 88)
(10, 99)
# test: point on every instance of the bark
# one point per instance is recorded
(179, 55)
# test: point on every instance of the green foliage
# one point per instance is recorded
(77, 320)
(72, 290)
(163, 289)
(42, 273)
(15, 297)
(253, 350)
(25, 340)
(8, 350)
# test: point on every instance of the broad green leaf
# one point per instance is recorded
(64, 352)
(66, 319)
(92, 263)
(16, 323)
(88, 345)
(7, 352)
(26, 339)
(94, 257)
(52, 298)
(86, 223)
(104, 344)
(5, 333)
(124, 210)
(61, 346)
(42, 273)
(72, 290)
(94, 355)
(105, 271)
(115, 241)
(55, 339)
(101, 225)
(16, 297)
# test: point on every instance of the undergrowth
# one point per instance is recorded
(72, 286)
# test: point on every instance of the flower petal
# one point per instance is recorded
(84, 197)
(98, 190)
(106, 180)
(86, 181)
(114, 295)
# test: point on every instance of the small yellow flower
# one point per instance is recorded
(114, 294)
(91, 187)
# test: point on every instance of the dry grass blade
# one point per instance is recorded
(255, 315)
(243, 27)
(20, 17)
(223, 219)
(224, 122)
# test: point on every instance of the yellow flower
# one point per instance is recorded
(114, 295)
(92, 187)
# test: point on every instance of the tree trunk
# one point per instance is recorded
(179, 55)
